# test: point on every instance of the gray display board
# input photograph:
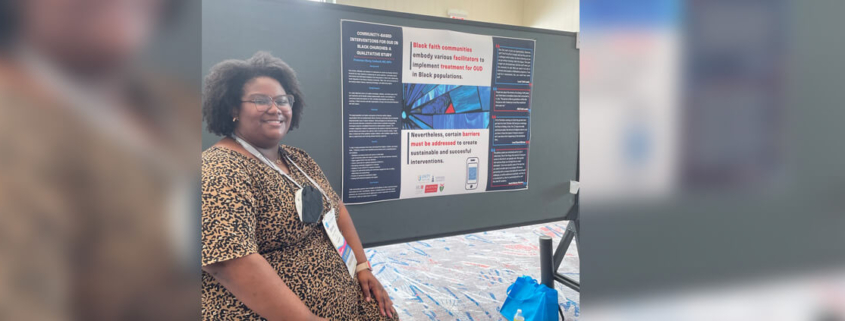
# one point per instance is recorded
(307, 36)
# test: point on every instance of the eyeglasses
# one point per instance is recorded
(263, 103)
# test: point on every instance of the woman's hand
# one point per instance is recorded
(369, 284)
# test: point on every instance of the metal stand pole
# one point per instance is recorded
(546, 270)
(571, 232)
(563, 246)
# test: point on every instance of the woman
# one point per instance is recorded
(260, 257)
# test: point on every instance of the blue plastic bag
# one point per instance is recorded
(537, 302)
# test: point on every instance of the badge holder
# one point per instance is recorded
(309, 207)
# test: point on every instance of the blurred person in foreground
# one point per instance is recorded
(261, 255)
(94, 157)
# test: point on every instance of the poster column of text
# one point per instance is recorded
(372, 107)
(510, 115)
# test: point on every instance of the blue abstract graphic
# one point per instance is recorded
(428, 106)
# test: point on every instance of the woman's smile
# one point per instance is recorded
(278, 122)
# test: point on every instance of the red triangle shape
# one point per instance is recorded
(451, 109)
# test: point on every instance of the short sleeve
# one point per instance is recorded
(228, 210)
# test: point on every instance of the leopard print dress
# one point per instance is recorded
(247, 207)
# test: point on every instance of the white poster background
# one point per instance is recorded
(481, 46)
(452, 173)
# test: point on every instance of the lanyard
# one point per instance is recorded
(252, 150)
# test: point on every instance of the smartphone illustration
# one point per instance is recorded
(472, 173)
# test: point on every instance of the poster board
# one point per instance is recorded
(308, 40)
(432, 112)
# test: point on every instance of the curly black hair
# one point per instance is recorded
(224, 88)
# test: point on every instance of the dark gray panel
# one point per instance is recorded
(307, 36)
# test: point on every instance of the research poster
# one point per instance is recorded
(430, 112)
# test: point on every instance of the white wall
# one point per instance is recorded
(552, 14)
(548, 14)
(496, 11)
